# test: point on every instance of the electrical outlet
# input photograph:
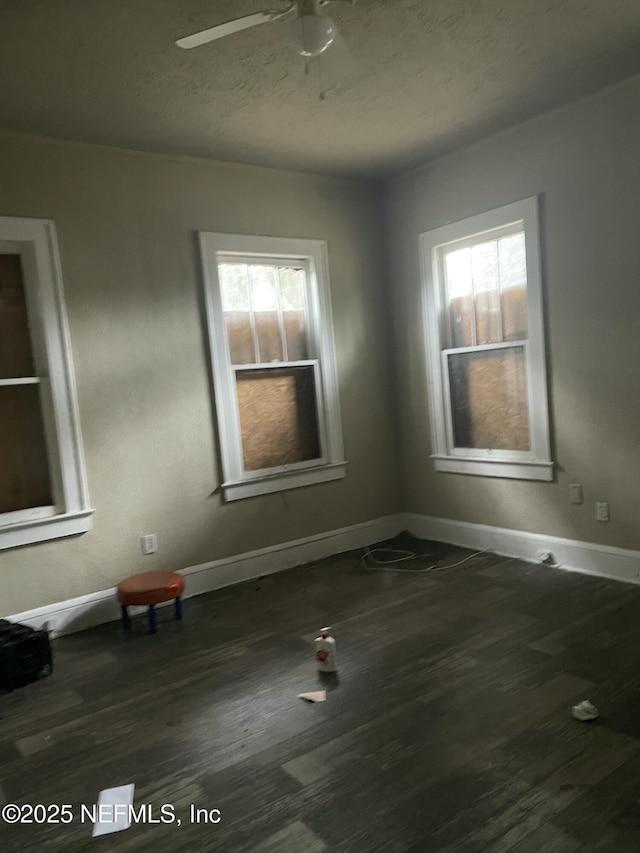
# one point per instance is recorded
(149, 543)
(602, 511)
(575, 493)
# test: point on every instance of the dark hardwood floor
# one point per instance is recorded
(448, 728)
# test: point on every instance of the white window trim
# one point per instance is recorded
(238, 483)
(35, 240)
(535, 464)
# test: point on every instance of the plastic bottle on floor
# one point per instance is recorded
(326, 651)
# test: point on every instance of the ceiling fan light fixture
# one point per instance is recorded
(312, 34)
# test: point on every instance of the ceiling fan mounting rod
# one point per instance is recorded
(312, 7)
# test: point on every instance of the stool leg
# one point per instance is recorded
(153, 625)
(178, 604)
(126, 620)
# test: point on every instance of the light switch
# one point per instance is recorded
(149, 543)
(575, 493)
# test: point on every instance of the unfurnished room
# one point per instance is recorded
(319, 406)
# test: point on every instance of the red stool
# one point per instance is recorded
(150, 588)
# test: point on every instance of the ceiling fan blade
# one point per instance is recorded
(229, 27)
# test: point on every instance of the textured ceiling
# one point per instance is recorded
(431, 75)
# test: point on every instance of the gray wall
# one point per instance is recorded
(584, 162)
(126, 226)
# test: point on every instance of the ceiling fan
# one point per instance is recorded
(311, 32)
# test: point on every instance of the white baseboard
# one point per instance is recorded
(76, 614)
(604, 561)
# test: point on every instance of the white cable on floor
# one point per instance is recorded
(383, 566)
(405, 555)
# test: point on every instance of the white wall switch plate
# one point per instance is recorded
(149, 543)
(602, 511)
(575, 493)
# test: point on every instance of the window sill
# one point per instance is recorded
(238, 489)
(30, 531)
(495, 468)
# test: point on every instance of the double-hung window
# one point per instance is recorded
(273, 360)
(485, 345)
(43, 493)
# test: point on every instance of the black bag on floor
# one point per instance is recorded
(24, 654)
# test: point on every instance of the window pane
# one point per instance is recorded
(264, 287)
(240, 337)
(234, 285)
(486, 288)
(459, 294)
(513, 283)
(292, 282)
(489, 399)
(264, 301)
(296, 334)
(24, 469)
(278, 419)
(15, 342)
(269, 336)
(236, 305)
(292, 288)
